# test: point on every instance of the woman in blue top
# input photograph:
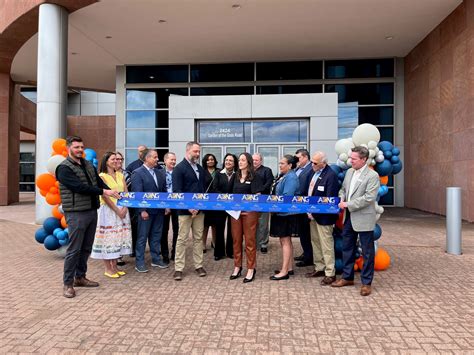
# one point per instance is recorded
(285, 225)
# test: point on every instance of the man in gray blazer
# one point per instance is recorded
(358, 195)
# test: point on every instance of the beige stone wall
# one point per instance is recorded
(439, 115)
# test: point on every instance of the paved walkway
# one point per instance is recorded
(423, 304)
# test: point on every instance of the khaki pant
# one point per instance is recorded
(322, 242)
(186, 223)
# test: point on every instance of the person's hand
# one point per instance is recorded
(144, 215)
(167, 211)
(310, 216)
(112, 193)
(342, 205)
(193, 212)
(123, 212)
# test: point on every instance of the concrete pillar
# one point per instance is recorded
(52, 89)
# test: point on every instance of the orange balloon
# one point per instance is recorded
(57, 184)
(59, 145)
(54, 190)
(64, 153)
(53, 199)
(384, 180)
(371, 167)
(43, 192)
(356, 268)
(340, 221)
(382, 259)
(360, 262)
(63, 222)
(56, 213)
(45, 181)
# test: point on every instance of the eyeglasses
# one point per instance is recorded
(119, 159)
(315, 163)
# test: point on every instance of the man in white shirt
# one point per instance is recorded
(358, 196)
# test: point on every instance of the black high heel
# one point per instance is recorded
(251, 279)
(278, 278)
(233, 277)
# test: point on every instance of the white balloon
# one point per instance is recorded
(343, 145)
(349, 162)
(62, 251)
(379, 158)
(377, 216)
(60, 209)
(365, 146)
(379, 209)
(372, 162)
(343, 156)
(376, 245)
(365, 133)
(371, 153)
(53, 163)
(340, 164)
(372, 144)
(377, 150)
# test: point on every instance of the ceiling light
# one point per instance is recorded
(236, 6)
(151, 77)
(74, 53)
(108, 37)
(388, 38)
(161, 21)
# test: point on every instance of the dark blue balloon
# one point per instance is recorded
(377, 232)
(387, 154)
(337, 169)
(51, 242)
(40, 235)
(394, 159)
(384, 168)
(397, 168)
(50, 224)
(385, 145)
(395, 151)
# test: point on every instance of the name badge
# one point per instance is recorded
(248, 182)
(320, 188)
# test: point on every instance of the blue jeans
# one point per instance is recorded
(149, 230)
(349, 248)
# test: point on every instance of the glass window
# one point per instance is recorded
(224, 132)
(388, 199)
(235, 90)
(386, 134)
(27, 157)
(130, 155)
(149, 99)
(289, 89)
(27, 171)
(364, 68)
(280, 131)
(222, 72)
(27, 187)
(376, 115)
(271, 156)
(150, 138)
(290, 70)
(365, 94)
(147, 119)
(157, 74)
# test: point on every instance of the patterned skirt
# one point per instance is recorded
(113, 235)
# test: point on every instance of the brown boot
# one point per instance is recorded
(342, 283)
(68, 291)
(328, 280)
(83, 282)
(365, 290)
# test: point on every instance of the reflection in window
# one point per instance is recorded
(232, 90)
(365, 94)
(364, 68)
(147, 119)
(150, 138)
(224, 132)
(280, 131)
(347, 119)
(157, 74)
(150, 99)
(222, 72)
(388, 199)
(386, 134)
(290, 70)
(376, 115)
(289, 89)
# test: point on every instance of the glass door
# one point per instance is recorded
(271, 156)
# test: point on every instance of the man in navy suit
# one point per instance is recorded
(323, 183)
(304, 172)
(188, 176)
(149, 178)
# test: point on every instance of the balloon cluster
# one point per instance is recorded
(384, 159)
(54, 232)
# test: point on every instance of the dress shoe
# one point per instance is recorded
(178, 275)
(217, 258)
(263, 250)
(302, 264)
(235, 276)
(201, 272)
(342, 283)
(68, 291)
(299, 258)
(246, 280)
(328, 280)
(83, 282)
(276, 278)
(290, 272)
(315, 274)
(365, 290)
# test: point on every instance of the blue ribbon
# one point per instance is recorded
(236, 202)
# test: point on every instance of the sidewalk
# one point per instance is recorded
(423, 303)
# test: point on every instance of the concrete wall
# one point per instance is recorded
(439, 109)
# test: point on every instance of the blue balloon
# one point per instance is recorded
(397, 168)
(63, 242)
(66, 230)
(40, 235)
(384, 168)
(395, 151)
(340, 176)
(337, 169)
(387, 154)
(385, 145)
(90, 154)
(50, 224)
(51, 242)
(56, 231)
(61, 235)
(357, 255)
(339, 265)
(395, 159)
(377, 232)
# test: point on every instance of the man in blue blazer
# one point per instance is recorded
(304, 172)
(188, 176)
(149, 178)
(323, 183)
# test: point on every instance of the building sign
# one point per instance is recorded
(224, 132)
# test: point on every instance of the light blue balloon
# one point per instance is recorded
(56, 231)
(377, 232)
(61, 235)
